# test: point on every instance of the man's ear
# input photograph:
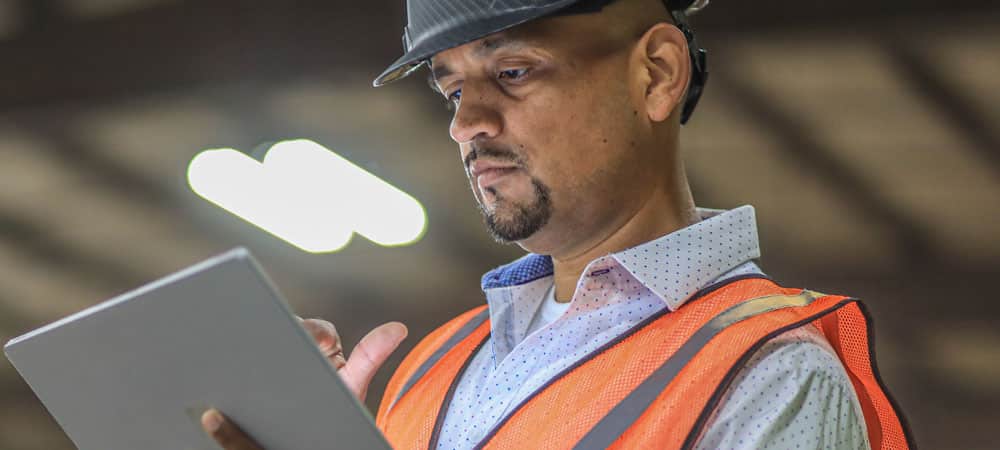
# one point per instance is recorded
(663, 53)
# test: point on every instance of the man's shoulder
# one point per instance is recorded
(804, 348)
(796, 364)
(794, 390)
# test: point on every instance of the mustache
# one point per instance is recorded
(496, 153)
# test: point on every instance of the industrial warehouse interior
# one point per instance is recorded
(864, 133)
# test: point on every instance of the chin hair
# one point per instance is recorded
(523, 221)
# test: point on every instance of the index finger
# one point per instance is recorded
(325, 335)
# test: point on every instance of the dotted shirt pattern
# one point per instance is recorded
(614, 293)
(793, 394)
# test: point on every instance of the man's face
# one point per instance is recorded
(546, 127)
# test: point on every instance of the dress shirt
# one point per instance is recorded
(793, 393)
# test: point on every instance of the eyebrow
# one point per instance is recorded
(487, 47)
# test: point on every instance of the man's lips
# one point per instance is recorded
(485, 173)
(491, 176)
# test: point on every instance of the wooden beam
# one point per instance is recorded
(779, 16)
(179, 45)
(33, 241)
(798, 143)
(184, 44)
(925, 79)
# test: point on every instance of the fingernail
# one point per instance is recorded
(212, 420)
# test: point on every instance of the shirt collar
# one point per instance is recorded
(705, 250)
(525, 269)
(692, 257)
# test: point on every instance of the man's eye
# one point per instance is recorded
(513, 74)
(453, 98)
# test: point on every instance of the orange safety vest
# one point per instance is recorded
(653, 387)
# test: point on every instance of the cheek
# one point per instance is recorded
(574, 132)
(593, 131)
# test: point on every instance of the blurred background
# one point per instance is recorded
(863, 132)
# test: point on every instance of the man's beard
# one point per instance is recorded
(516, 221)
(510, 222)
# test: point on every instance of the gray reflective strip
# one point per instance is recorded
(626, 412)
(460, 335)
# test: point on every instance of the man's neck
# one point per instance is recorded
(659, 215)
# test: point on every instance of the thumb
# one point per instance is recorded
(370, 353)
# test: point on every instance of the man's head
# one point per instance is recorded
(568, 124)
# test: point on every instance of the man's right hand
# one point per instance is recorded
(371, 352)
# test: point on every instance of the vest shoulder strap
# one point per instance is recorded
(459, 336)
(428, 352)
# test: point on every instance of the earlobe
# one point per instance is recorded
(666, 61)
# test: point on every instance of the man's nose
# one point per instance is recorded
(476, 116)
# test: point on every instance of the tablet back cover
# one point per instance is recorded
(137, 371)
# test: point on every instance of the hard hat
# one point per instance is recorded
(437, 25)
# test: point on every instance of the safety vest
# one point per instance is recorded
(654, 386)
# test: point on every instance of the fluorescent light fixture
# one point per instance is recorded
(308, 196)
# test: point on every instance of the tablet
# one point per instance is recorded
(137, 371)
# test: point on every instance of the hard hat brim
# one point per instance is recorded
(461, 33)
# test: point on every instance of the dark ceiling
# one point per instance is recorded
(864, 134)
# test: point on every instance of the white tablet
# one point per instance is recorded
(137, 371)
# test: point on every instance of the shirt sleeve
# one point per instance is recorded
(794, 393)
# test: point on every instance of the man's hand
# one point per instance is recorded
(225, 432)
(370, 353)
(356, 371)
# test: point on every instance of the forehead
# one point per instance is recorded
(568, 36)
(518, 38)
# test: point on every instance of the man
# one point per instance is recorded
(637, 320)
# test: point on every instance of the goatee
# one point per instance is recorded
(509, 222)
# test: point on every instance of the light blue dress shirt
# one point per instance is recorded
(794, 393)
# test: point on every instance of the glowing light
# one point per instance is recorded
(308, 196)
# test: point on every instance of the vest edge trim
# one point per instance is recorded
(903, 422)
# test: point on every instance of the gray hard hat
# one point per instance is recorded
(437, 25)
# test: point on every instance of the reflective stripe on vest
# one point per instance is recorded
(459, 336)
(626, 412)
